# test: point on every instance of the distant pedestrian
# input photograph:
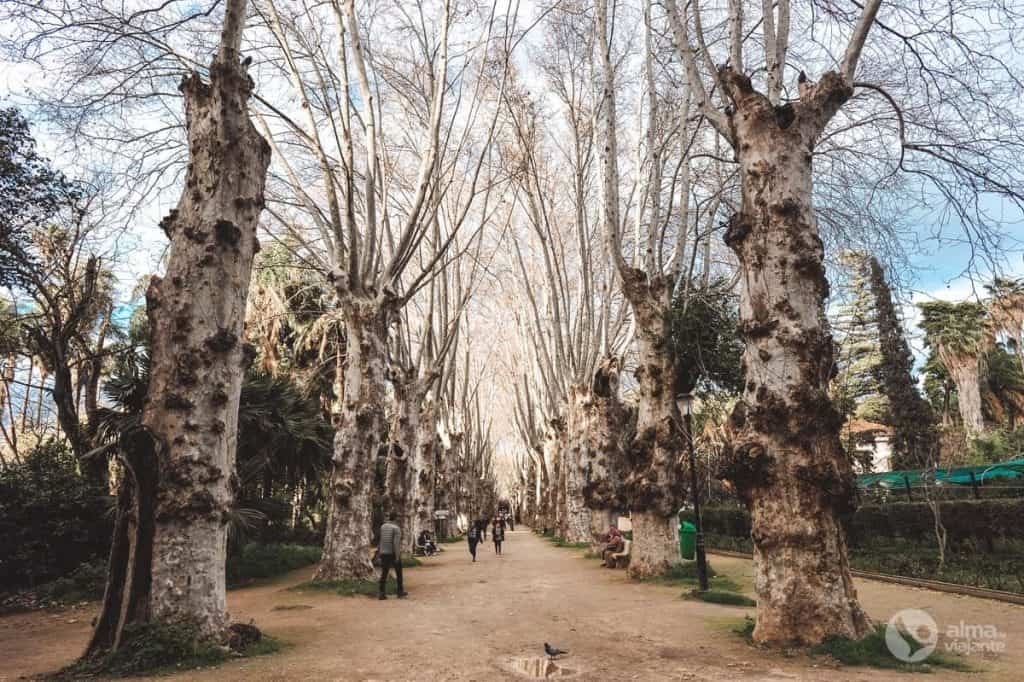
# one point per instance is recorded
(498, 535)
(481, 525)
(511, 522)
(389, 550)
(473, 537)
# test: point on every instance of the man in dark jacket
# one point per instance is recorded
(390, 552)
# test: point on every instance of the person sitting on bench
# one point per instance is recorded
(615, 544)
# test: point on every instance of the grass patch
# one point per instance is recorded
(559, 541)
(725, 597)
(450, 539)
(745, 629)
(411, 562)
(873, 652)
(368, 587)
(258, 561)
(156, 649)
(292, 607)
(686, 575)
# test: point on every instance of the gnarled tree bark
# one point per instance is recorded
(654, 486)
(361, 431)
(786, 459)
(168, 555)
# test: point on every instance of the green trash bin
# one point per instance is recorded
(687, 540)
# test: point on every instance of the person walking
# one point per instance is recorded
(473, 537)
(389, 550)
(498, 535)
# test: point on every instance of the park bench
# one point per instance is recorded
(621, 559)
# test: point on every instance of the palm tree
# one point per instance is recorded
(960, 335)
(1006, 308)
(284, 437)
(1003, 391)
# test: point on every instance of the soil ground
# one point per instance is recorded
(466, 621)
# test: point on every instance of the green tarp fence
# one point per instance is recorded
(1003, 472)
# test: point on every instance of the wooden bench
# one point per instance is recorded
(621, 559)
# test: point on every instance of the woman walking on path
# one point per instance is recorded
(473, 537)
(498, 534)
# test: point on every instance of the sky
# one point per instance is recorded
(941, 270)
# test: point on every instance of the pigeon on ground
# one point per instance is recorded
(552, 652)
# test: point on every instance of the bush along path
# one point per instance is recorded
(254, 563)
(984, 547)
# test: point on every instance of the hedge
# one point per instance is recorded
(981, 522)
(985, 545)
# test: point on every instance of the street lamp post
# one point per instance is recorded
(684, 402)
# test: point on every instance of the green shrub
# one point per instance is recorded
(873, 651)
(746, 628)
(347, 588)
(85, 583)
(156, 648)
(266, 561)
(984, 542)
(51, 518)
(726, 597)
(559, 541)
(411, 562)
(687, 571)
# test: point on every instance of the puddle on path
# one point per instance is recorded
(540, 668)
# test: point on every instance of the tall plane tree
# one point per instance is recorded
(167, 561)
(785, 459)
(653, 480)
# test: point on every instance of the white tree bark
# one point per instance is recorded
(360, 435)
(786, 459)
(424, 472)
(196, 313)
(578, 521)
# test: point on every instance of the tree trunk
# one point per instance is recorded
(198, 357)
(965, 373)
(361, 432)
(654, 486)
(655, 546)
(401, 467)
(577, 522)
(600, 521)
(553, 489)
(397, 487)
(602, 435)
(786, 460)
(529, 507)
(541, 516)
(447, 493)
(167, 561)
(424, 472)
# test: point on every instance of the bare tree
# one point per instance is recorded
(167, 561)
(785, 458)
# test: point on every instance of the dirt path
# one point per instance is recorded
(466, 621)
